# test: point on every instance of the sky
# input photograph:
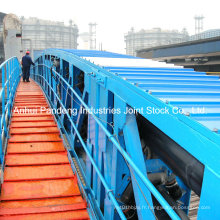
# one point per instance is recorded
(115, 18)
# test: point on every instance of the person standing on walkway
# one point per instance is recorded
(26, 63)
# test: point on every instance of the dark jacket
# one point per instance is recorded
(27, 61)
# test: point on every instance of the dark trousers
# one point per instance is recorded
(26, 73)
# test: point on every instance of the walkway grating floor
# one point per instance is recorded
(38, 180)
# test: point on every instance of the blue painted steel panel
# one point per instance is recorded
(209, 208)
(171, 71)
(178, 87)
(115, 68)
(174, 81)
(97, 53)
(156, 76)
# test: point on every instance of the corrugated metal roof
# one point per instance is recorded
(195, 93)
(97, 53)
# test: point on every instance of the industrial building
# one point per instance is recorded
(201, 54)
(12, 42)
(152, 38)
(38, 34)
(34, 35)
(2, 54)
(84, 42)
(205, 34)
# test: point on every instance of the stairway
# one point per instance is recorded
(38, 179)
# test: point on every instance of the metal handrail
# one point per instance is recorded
(142, 176)
(109, 191)
(10, 70)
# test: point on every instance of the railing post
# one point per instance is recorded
(43, 70)
(34, 72)
(9, 82)
(7, 77)
(1, 148)
(3, 101)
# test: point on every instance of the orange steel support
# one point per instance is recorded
(38, 180)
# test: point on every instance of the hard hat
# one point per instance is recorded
(28, 52)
